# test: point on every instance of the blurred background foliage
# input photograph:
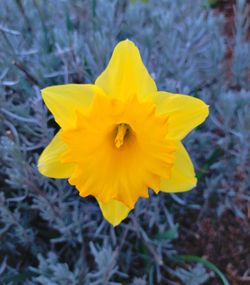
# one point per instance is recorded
(50, 235)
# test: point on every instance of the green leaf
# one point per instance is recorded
(143, 1)
(168, 235)
(214, 157)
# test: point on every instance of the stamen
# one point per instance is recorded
(121, 133)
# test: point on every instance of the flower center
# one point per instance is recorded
(122, 131)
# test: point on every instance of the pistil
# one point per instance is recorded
(122, 131)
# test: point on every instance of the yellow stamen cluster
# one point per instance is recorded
(122, 131)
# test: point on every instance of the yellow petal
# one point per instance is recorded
(185, 112)
(49, 163)
(114, 211)
(126, 74)
(64, 100)
(183, 174)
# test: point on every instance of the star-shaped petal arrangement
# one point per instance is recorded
(120, 136)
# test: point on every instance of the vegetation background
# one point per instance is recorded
(50, 235)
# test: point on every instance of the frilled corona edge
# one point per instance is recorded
(120, 136)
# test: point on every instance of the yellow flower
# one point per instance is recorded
(120, 136)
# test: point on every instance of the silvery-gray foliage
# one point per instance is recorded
(193, 276)
(49, 235)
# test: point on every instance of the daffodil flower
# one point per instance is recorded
(120, 136)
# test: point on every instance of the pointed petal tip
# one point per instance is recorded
(206, 110)
(127, 43)
(125, 73)
(42, 169)
(183, 176)
(114, 211)
(49, 162)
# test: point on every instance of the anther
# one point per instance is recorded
(121, 133)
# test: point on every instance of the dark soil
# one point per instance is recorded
(224, 241)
